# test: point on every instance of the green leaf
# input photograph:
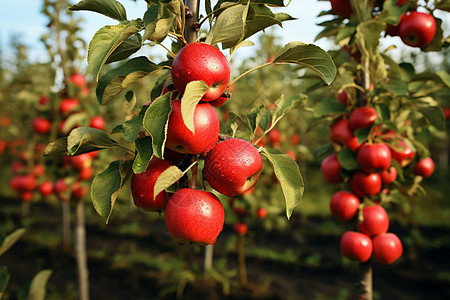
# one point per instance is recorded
(157, 89)
(4, 279)
(132, 127)
(10, 240)
(345, 33)
(383, 111)
(192, 95)
(362, 134)
(284, 105)
(115, 81)
(445, 77)
(394, 11)
(310, 56)
(106, 186)
(291, 180)
(126, 48)
(265, 120)
(87, 139)
(57, 147)
(328, 106)
(106, 40)
(323, 151)
(110, 8)
(434, 115)
(170, 175)
(143, 155)
(347, 159)
(397, 87)
(436, 43)
(159, 20)
(38, 284)
(156, 120)
(253, 119)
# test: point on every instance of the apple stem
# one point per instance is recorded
(241, 258)
(365, 284)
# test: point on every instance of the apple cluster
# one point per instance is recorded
(416, 29)
(231, 165)
(378, 159)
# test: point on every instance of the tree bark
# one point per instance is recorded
(190, 32)
(80, 251)
(365, 284)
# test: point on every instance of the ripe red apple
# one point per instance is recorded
(363, 117)
(86, 173)
(342, 8)
(295, 139)
(233, 166)
(402, 153)
(43, 100)
(356, 246)
(97, 122)
(142, 186)
(199, 61)
(78, 80)
(261, 213)
(343, 98)
(41, 125)
(388, 176)
(342, 133)
(392, 30)
(375, 220)
(17, 167)
(365, 184)
(46, 188)
(79, 191)
(194, 216)
(221, 100)
(26, 196)
(331, 169)
(374, 157)
(417, 29)
(240, 228)
(344, 206)
(206, 127)
(59, 188)
(387, 248)
(3, 145)
(39, 170)
(274, 137)
(68, 105)
(81, 161)
(25, 182)
(424, 167)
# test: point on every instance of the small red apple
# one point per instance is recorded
(388, 176)
(240, 228)
(343, 98)
(375, 220)
(81, 161)
(79, 191)
(41, 125)
(417, 29)
(233, 166)
(43, 100)
(194, 216)
(274, 137)
(78, 80)
(374, 157)
(26, 196)
(261, 213)
(97, 122)
(424, 167)
(331, 169)
(68, 105)
(342, 133)
(86, 173)
(46, 188)
(342, 8)
(200, 61)
(60, 188)
(356, 246)
(221, 100)
(402, 153)
(295, 139)
(387, 248)
(365, 184)
(363, 117)
(39, 170)
(206, 127)
(344, 206)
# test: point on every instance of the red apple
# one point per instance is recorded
(374, 157)
(295, 139)
(199, 61)
(86, 173)
(39, 170)
(417, 29)
(387, 248)
(46, 188)
(344, 206)
(240, 228)
(261, 213)
(60, 187)
(41, 125)
(342, 8)
(233, 166)
(402, 153)
(424, 167)
(3, 145)
(388, 176)
(363, 117)
(26, 196)
(343, 98)
(375, 220)
(342, 133)
(81, 161)
(194, 216)
(221, 100)
(97, 122)
(43, 100)
(356, 246)
(68, 105)
(79, 191)
(274, 137)
(206, 127)
(365, 184)
(78, 80)
(143, 184)
(331, 169)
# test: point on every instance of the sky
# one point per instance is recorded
(23, 18)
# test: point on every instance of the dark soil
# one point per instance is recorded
(316, 271)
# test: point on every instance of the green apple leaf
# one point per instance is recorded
(156, 120)
(434, 115)
(290, 178)
(159, 20)
(253, 118)
(128, 47)
(362, 134)
(192, 95)
(110, 8)
(144, 154)
(11, 239)
(4, 279)
(159, 84)
(277, 3)
(394, 11)
(347, 159)
(171, 175)
(57, 147)
(87, 139)
(107, 39)
(284, 105)
(38, 284)
(132, 127)
(328, 106)
(309, 56)
(107, 185)
(115, 81)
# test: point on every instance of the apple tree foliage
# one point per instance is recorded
(227, 23)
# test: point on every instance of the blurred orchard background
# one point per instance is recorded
(46, 90)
